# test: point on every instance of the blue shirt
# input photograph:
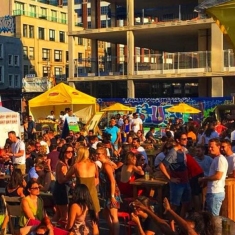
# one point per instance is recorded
(113, 131)
(32, 174)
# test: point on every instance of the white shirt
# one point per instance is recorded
(218, 164)
(15, 148)
(231, 163)
(135, 123)
(232, 135)
(43, 143)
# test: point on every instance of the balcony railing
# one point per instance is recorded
(39, 16)
(165, 63)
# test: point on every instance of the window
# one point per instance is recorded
(16, 60)
(31, 31)
(88, 42)
(51, 35)
(10, 80)
(10, 59)
(41, 33)
(104, 10)
(45, 54)
(58, 55)
(89, 11)
(53, 16)
(19, 8)
(58, 71)
(80, 58)
(25, 52)
(25, 30)
(45, 71)
(62, 36)
(89, 25)
(67, 56)
(1, 51)
(16, 81)
(80, 41)
(32, 10)
(43, 14)
(1, 74)
(26, 70)
(31, 53)
(63, 18)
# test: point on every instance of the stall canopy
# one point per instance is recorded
(60, 97)
(9, 121)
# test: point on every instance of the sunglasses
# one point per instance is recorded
(35, 188)
(69, 151)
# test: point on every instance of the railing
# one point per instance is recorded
(174, 63)
(39, 16)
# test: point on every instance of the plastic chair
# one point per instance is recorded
(13, 210)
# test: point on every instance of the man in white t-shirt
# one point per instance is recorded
(140, 149)
(136, 123)
(17, 152)
(226, 150)
(216, 179)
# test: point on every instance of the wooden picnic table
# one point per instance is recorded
(153, 184)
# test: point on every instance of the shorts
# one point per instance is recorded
(214, 202)
(195, 186)
(179, 193)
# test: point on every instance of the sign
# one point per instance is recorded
(36, 84)
(73, 124)
(30, 75)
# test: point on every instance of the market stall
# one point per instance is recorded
(9, 121)
(60, 97)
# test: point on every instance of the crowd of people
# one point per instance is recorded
(86, 172)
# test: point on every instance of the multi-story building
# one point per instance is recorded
(10, 71)
(169, 51)
(41, 25)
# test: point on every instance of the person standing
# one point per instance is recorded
(136, 123)
(17, 152)
(31, 128)
(216, 179)
(115, 133)
(226, 150)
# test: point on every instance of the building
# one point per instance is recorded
(169, 51)
(42, 28)
(10, 72)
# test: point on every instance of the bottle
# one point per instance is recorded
(146, 175)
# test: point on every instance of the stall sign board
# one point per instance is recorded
(73, 124)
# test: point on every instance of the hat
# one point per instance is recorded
(190, 118)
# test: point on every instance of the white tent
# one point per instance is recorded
(9, 121)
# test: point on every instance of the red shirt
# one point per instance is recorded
(194, 168)
(220, 128)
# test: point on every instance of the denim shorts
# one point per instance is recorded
(180, 192)
(214, 202)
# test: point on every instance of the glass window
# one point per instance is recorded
(41, 33)
(26, 70)
(89, 25)
(19, 8)
(16, 60)
(58, 71)
(62, 36)
(32, 10)
(67, 56)
(58, 55)
(16, 81)
(43, 13)
(80, 41)
(31, 31)
(1, 51)
(51, 35)
(63, 18)
(31, 53)
(25, 30)
(45, 71)
(104, 10)
(89, 11)
(1, 74)
(10, 80)
(45, 54)
(53, 16)
(25, 52)
(10, 59)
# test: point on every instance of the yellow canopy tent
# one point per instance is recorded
(60, 97)
(223, 11)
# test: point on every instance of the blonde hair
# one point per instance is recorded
(82, 154)
(129, 157)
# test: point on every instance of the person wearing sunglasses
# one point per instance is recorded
(61, 187)
(31, 205)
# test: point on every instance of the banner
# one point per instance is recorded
(36, 84)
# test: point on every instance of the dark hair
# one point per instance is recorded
(12, 132)
(29, 186)
(82, 197)
(217, 141)
(16, 179)
(204, 222)
(178, 135)
(62, 153)
(226, 141)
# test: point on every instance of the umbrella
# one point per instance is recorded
(118, 107)
(183, 108)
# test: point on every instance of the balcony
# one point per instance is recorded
(189, 63)
(39, 16)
